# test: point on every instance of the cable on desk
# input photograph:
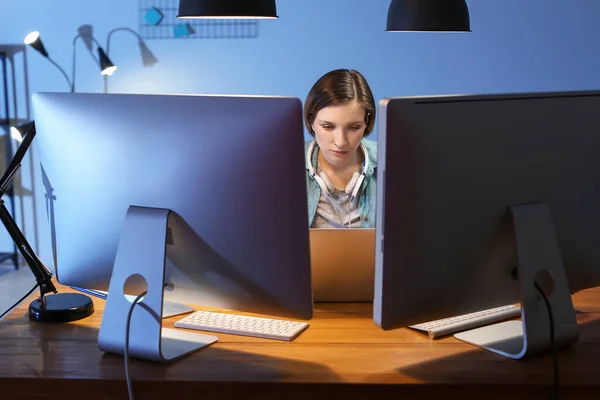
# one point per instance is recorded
(18, 302)
(552, 344)
(133, 304)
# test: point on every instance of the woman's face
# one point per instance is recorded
(338, 132)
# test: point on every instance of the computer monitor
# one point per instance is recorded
(480, 197)
(229, 168)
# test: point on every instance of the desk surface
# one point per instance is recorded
(341, 346)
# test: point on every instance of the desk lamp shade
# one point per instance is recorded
(226, 9)
(428, 16)
(34, 40)
(16, 134)
(106, 66)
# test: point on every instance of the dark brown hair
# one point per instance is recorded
(339, 87)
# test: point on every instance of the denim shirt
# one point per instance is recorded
(366, 203)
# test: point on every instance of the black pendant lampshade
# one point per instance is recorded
(224, 9)
(428, 16)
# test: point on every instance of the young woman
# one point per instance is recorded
(339, 113)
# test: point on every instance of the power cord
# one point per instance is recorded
(18, 302)
(552, 344)
(126, 355)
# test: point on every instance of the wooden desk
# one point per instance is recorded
(341, 355)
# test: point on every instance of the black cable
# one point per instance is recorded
(126, 355)
(552, 344)
(19, 302)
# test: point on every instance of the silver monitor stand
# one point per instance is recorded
(140, 266)
(537, 256)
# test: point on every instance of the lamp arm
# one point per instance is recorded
(61, 70)
(42, 274)
(75, 58)
(117, 30)
(108, 37)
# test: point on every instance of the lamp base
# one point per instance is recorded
(61, 307)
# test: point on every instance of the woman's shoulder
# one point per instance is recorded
(307, 144)
(371, 147)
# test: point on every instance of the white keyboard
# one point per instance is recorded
(448, 326)
(242, 325)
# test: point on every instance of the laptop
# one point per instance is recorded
(343, 264)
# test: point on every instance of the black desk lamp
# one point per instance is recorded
(59, 307)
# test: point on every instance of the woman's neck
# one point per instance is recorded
(340, 175)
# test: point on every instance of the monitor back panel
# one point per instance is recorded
(449, 168)
(231, 166)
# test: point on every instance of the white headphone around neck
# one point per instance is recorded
(355, 182)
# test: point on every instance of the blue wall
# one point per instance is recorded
(515, 46)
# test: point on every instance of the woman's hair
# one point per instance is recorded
(336, 88)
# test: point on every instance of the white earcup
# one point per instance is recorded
(321, 183)
(352, 183)
(326, 185)
(357, 185)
